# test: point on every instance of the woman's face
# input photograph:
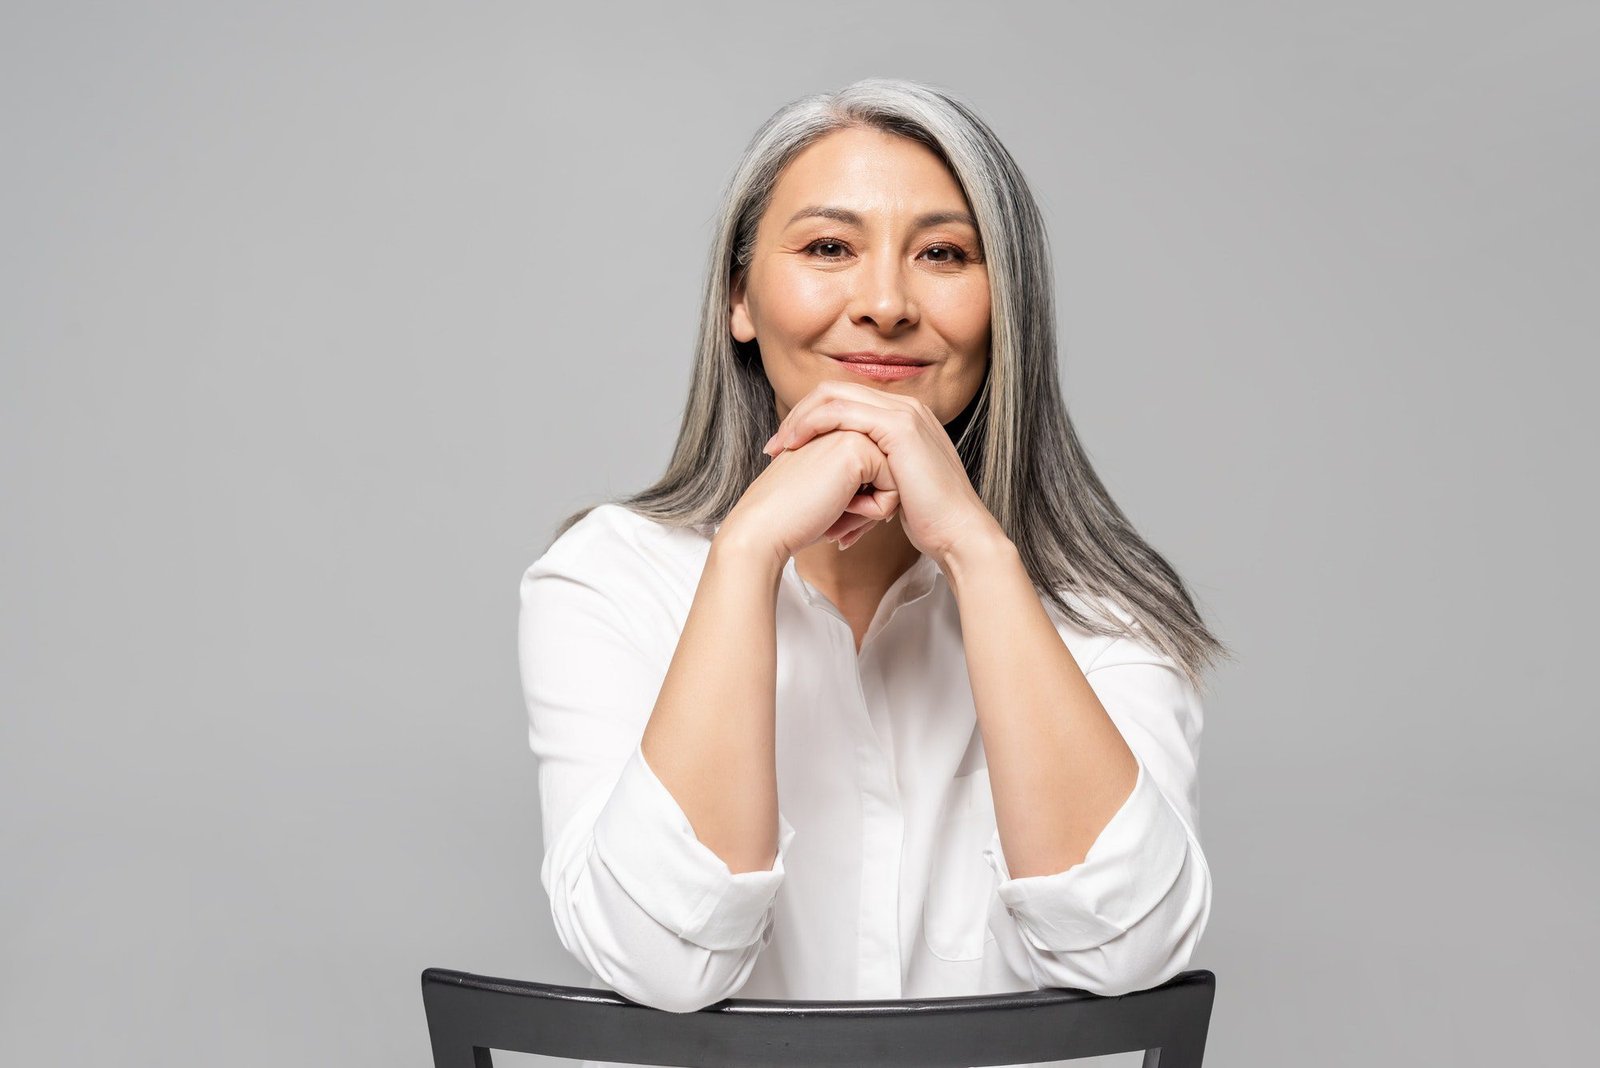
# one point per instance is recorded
(868, 246)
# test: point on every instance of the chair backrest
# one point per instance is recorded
(470, 1015)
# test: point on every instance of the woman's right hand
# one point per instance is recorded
(815, 492)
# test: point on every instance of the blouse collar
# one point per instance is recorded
(914, 583)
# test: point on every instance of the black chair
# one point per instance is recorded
(470, 1015)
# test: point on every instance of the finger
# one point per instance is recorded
(830, 389)
(850, 539)
(792, 431)
(876, 421)
(821, 392)
(878, 503)
(847, 524)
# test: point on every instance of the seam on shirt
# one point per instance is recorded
(1110, 645)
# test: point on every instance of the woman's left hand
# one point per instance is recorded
(938, 505)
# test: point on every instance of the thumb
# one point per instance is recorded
(877, 504)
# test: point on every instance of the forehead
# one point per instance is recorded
(867, 171)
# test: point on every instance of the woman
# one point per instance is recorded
(958, 757)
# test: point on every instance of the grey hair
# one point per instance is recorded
(1015, 438)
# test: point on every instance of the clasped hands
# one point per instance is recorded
(922, 479)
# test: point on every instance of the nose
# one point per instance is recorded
(881, 295)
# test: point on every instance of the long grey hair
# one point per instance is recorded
(1018, 445)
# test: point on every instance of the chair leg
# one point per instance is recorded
(1186, 1053)
(450, 1054)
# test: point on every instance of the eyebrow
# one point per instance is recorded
(845, 215)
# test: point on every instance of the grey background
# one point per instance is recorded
(317, 318)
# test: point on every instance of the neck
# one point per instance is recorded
(867, 569)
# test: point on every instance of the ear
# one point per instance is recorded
(739, 323)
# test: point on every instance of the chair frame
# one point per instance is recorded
(471, 1015)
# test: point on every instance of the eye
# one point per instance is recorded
(950, 254)
(825, 243)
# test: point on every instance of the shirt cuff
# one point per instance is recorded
(1127, 871)
(644, 838)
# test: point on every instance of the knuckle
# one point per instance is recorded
(862, 450)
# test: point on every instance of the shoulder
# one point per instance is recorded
(624, 563)
(610, 533)
(1089, 646)
(1132, 673)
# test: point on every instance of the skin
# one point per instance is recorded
(822, 285)
(1059, 768)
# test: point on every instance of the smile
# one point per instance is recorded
(883, 372)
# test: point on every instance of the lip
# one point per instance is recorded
(882, 372)
(880, 358)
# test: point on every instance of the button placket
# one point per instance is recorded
(879, 968)
(882, 838)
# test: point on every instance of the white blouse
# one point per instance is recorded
(890, 880)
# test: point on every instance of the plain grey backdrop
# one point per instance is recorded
(318, 317)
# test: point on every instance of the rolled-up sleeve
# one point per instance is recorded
(1130, 914)
(650, 847)
(634, 895)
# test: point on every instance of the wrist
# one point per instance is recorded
(736, 547)
(974, 554)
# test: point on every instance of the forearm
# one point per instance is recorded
(627, 894)
(711, 735)
(1058, 767)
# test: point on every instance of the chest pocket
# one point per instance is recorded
(955, 911)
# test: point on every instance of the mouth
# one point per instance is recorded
(882, 367)
(882, 359)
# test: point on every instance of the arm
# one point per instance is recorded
(1102, 884)
(712, 735)
(637, 854)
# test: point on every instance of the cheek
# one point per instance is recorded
(801, 303)
(968, 318)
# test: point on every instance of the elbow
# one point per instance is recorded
(716, 981)
(633, 954)
(1151, 952)
(1111, 971)
(1128, 963)
(662, 971)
